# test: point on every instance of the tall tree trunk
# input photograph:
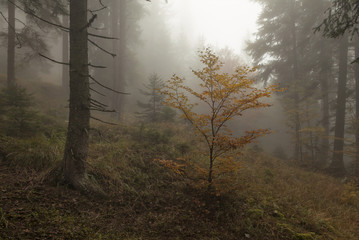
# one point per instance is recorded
(65, 55)
(11, 45)
(324, 75)
(76, 149)
(337, 164)
(121, 79)
(115, 50)
(298, 151)
(356, 73)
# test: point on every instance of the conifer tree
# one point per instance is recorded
(152, 109)
(283, 50)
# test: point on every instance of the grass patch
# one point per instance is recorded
(37, 153)
(269, 199)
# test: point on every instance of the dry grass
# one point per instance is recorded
(308, 201)
(269, 199)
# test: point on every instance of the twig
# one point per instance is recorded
(108, 88)
(96, 66)
(35, 16)
(102, 110)
(92, 19)
(97, 10)
(99, 103)
(100, 36)
(52, 60)
(103, 121)
(101, 48)
(97, 92)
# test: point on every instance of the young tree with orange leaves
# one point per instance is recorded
(225, 97)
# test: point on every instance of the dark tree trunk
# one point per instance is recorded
(337, 164)
(76, 149)
(11, 45)
(65, 55)
(356, 126)
(325, 66)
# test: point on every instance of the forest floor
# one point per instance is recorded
(269, 198)
(275, 202)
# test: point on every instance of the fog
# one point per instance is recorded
(179, 119)
(163, 37)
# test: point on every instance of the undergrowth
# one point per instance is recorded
(152, 174)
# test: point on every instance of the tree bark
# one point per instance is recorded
(356, 126)
(11, 45)
(76, 149)
(337, 164)
(65, 55)
(324, 70)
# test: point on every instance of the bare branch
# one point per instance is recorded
(97, 92)
(102, 110)
(101, 3)
(97, 10)
(101, 36)
(96, 66)
(101, 48)
(108, 88)
(37, 17)
(97, 119)
(20, 21)
(92, 19)
(52, 60)
(98, 103)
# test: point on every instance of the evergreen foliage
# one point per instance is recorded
(153, 109)
(17, 117)
(287, 52)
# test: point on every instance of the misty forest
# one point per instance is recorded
(179, 119)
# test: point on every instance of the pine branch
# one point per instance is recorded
(108, 88)
(101, 3)
(52, 60)
(102, 110)
(63, 28)
(39, 18)
(98, 103)
(97, 10)
(101, 36)
(101, 48)
(92, 19)
(96, 66)
(97, 92)
(97, 119)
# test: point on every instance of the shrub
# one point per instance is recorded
(17, 118)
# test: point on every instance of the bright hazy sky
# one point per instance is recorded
(223, 22)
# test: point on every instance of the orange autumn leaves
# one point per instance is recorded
(220, 98)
